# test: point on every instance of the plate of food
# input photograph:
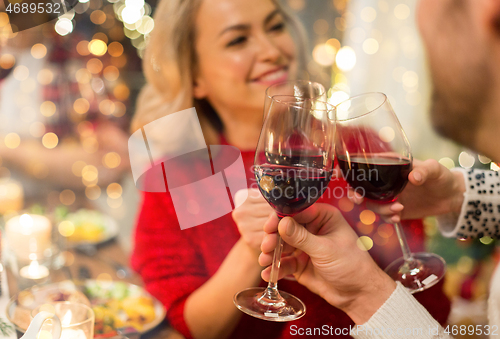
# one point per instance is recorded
(116, 305)
(88, 227)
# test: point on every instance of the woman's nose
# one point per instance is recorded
(268, 50)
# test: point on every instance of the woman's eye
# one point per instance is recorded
(278, 27)
(239, 40)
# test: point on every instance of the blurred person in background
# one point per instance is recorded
(462, 39)
(220, 56)
(58, 113)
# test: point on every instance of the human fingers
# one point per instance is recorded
(270, 241)
(354, 196)
(297, 236)
(288, 266)
(425, 170)
(319, 217)
(271, 224)
(387, 211)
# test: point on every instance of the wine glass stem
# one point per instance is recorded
(271, 295)
(275, 269)
(407, 255)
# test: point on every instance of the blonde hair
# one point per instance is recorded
(170, 63)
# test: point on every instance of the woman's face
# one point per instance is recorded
(242, 47)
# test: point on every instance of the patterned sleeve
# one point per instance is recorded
(480, 213)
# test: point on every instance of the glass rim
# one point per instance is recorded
(300, 81)
(91, 318)
(299, 99)
(385, 99)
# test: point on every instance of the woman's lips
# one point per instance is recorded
(273, 77)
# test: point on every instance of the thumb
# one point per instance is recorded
(297, 236)
(426, 170)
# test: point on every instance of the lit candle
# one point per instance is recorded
(34, 271)
(28, 234)
(11, 196)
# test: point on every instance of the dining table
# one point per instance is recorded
(80, 265)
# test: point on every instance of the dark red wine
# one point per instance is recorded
(381, 177)
(290, 190)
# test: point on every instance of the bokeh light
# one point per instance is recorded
(345, 204)
(466, 160)
(447, 162)
(111, 160)
(37, 129)
(386, 134)
(12, 140)
(50, 140)
(367, 217)
(115, 49)
(67, 197)
(66, 228)
(47, 108)
(77, 167)
(82, 48)
(98, 17)
(114, 190)
(370, 46)
(90, 144)
(45, 76)
(81, 106)
(483, 159)
(324, 54)
(368, 14)
(7, 61)
(98, 47)
(111, 73)
(402, 11)
(346, 59)
(38, 51)
(364, 243)
(106, 107)
(93, 192)
(94, 65)
(21, 73)
(64, 26)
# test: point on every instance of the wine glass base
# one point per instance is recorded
(287, 309)
(426, 270)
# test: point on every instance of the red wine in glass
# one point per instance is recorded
(293, 166)
(381, 177)
(375, 158)
(290, 190)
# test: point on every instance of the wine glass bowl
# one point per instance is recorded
(375, 158)
(293, 166)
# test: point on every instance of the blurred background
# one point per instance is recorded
(64, 82)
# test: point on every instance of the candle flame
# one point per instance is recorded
(34, 269)
(66, 319)
(26, 222)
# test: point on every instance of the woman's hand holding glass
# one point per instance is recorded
(432, 190)
(328, 261)
(250, 216)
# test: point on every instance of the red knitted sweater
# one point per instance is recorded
(175, 262)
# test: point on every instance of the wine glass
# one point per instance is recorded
(375, 158)
(293, 167)
(297, 88)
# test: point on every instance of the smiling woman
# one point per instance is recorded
(220, 58)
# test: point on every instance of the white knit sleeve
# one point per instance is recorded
(401, 316)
